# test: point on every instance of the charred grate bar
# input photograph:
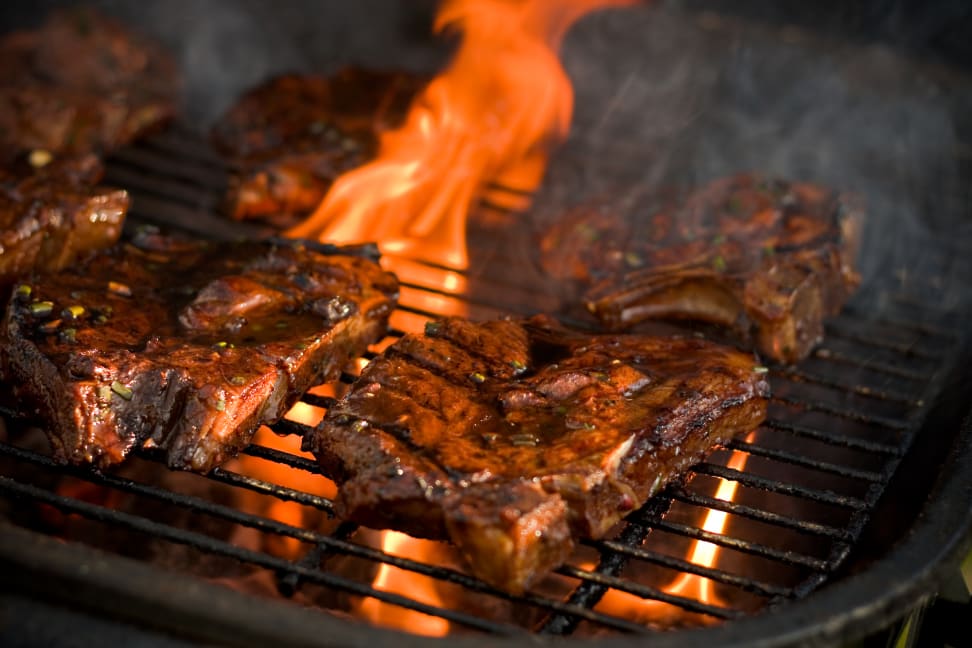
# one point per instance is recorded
(815, 469)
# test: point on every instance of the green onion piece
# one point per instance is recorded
(517, 365)
(220, 405)
(719, 264)
(104, 393)
(238, 380)
(73, 312)
(69, 335)
(41, 308)
(23, 291)
(477, 378)
(121, 389)
(760, 369)
(521, 440)
(432, 328)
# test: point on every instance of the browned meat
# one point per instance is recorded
(52, 216)
(187, 347)
(510, 438)
(767, 258)
(81, 83)
(290, 137)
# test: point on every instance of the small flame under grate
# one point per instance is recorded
(803, 485)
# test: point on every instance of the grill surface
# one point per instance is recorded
(840, 425)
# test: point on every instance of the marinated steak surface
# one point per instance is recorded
(185, 346)
(511, 438)
(53, 214)
(81, 83)
(290, 137)
(767, 258)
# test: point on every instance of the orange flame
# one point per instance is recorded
(415, 586)
(490, 117)
(690, 586)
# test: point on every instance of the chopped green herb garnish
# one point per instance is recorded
(238, 380)
(223, 344)
(69, 335)
(633, 259)
(73, 312)
(41, 308)
(120, 289)
(121, 389)
(517, 365)
(719, 264)
(432, 328)
(760, 369)
(521, 440)
(477, 378)
(23, 291)
(769, 250)
(104, 393)
(719, 239)
(359, 426)
(220, 405)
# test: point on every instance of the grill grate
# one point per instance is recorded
(838, 428)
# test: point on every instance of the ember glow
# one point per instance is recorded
(414, 586)
(690, 586)
(490, 118)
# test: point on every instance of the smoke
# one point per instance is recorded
(668, 98)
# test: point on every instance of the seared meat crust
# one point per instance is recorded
(291, 137)
(81, 83)
(767, 258)
(53, 216)
(185, 346)
(511, 438)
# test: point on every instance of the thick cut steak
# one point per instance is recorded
(767, 258)
(81, 83)
(511, 438)
(53, 216)
(291, 137)
(185, 346)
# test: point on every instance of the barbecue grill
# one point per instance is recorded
(851, 510)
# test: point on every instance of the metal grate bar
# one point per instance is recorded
(826, 353)
(652, 593)
(878, 342)
(268, 488)
(774, 486)
(754, 548)
(219, 547)
(881, 394)
(281, 457)
(805, 461)
(851, 415)
(769, 517)
(681, 565)
(832, 438)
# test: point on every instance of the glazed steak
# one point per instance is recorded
(187, 347)
(510, 438)
(53, 216)
(291, 137)
(767, 258)
(81, 83)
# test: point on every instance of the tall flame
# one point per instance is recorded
(490, 117)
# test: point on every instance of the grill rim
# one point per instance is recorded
(181, 605)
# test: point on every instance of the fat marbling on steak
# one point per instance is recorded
(185, 346)
(289, 138)
(767, 258)
(511, 438)
(53, 214)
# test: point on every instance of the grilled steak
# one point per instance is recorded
(52, 216)
(510, 438)
(185, 346)
(290, 137)
(81, 83)
(767, 258)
